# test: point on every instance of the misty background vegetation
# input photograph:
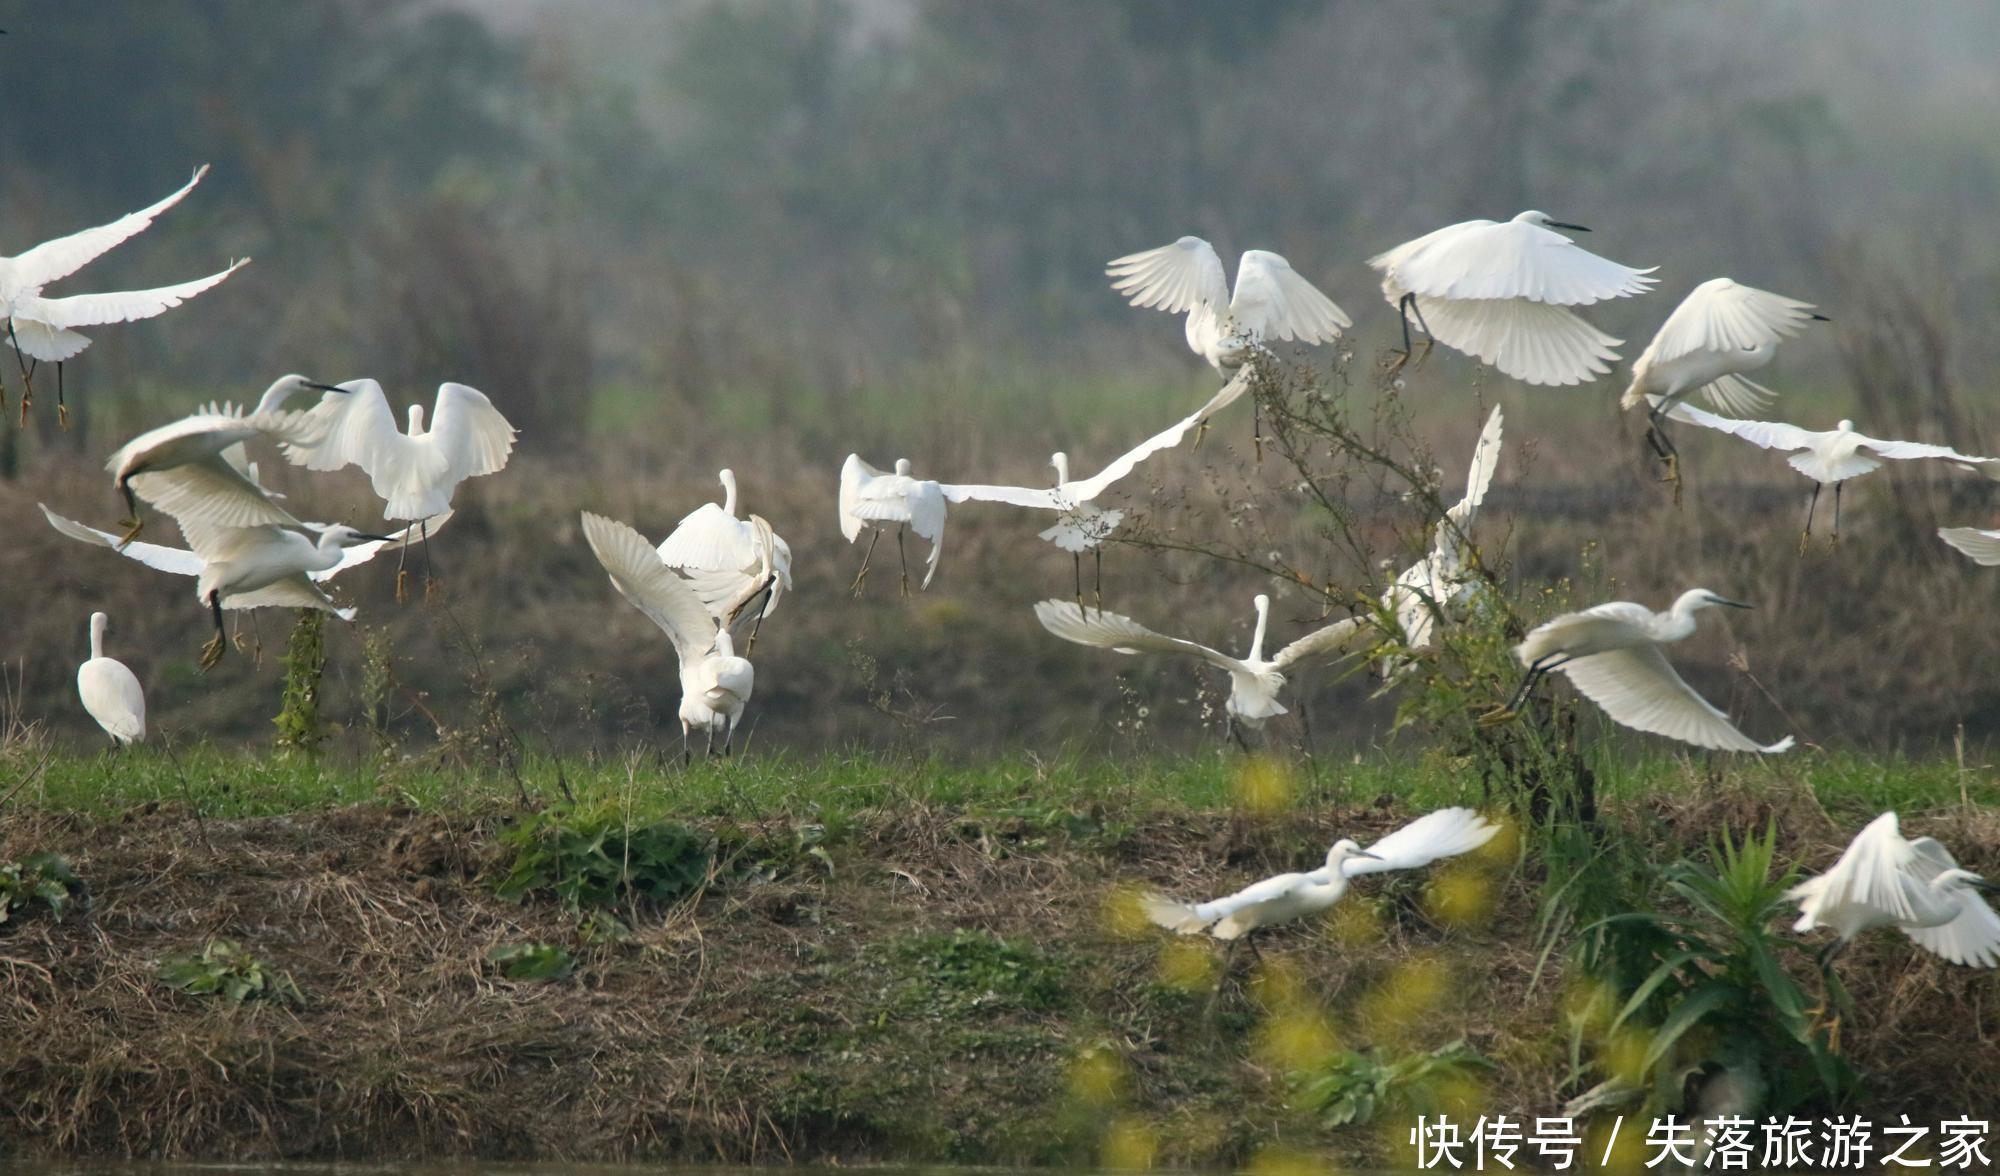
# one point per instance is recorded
(670, 236)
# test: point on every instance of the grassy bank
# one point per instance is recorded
(853, 958)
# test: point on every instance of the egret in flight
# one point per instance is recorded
(1832, 457)
(1501, 291)
(414, 473)
(715, 683)
(1721, 330)
(1083, 525)
(720, 555)
(195, 468)
(871, 499)
(110, 691)
(1981, 547)
(43, 329)
(1440, 584)
(1254, 680)
(1611, 654)
(1442, 834)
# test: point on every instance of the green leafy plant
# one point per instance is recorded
(592, 858)
(1355, 1086)
(222, 968)
(298, 719)
(958, 971)
(532, 961)
(39, 878)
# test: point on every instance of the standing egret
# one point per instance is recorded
(1719, 331)
(193, 468)
(720, 554)
(1833, 457)
(870, 498)
(230, 562)
(1442, 834)
(1611, 654)
(110, 691)
(1271, 301)
(42, 328)
(1254, 681)
(1083, 526)
(715, 683)
(1439, 583)
(414, 473)
(1501, 291)
(1981, 547)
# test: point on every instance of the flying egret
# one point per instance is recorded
(1611, 654)
(110, 691)
(253, 567)
(715, 683)
(193, 468)
(414, 473)
(1442, 834)
(1833, 457)
(871, 499)
(1501, 291)
(1439, 584)
(1083, 526)
(1254, 681)
(43, 328)
(1719, 331)
(1981, 547)
(720, 554)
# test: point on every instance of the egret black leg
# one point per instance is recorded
(1097, 584)
(687, 748)
(430, 579)
(862, 575)
(1836, 512)
(1430, 340)
(1076, 562)
(904, 560)
(1812, 504)
(27, 372)
(132, 523)
(212, 652)
(1236, 733)
(62, 410)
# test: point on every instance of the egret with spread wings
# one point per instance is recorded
(1439, 585)
(871, 499)
(720, 554)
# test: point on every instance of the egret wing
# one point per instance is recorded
(295, 591)
(1442, 834)
(361, 553)
(1339, 639)
(66, 255)
(1478, 475)
(1722, 315)
(855, 475)
(173, 560)
(1769, 434)
(210, 491)
(1173, 278)
(1973, 937)
(113, 696)
(1033, 499)
(1534, 342)
(357, 423)
(1879, 870)
(1981, 547)
(1273, 300)
(709, 539)
(122, 306)
(1918, 451)
(1638, 689)
(1508, 260)
(1737, 394)
(1120, 634)
(475, 438)
(640, 577)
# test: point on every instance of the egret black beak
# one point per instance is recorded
(1820, 318)
(325, 387)
(392, 539)
(1983, 886)
(1727, 603)
(1570, 227)
(1366, 854)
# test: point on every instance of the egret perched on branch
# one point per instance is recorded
(110, 691)
(1438, 584)
(1719, 331)
(253, 567)
(43, 328)
(1442, 834)
(1084, 526)
(715, 683)
(195, 467)
(871, 499)
(1832, 457)
(1501, 291)
(720, 555)
(414, 473)
(1611, 654)
(1254, 681)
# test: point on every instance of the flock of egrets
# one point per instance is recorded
(1503, 292)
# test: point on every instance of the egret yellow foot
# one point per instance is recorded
(212, 652)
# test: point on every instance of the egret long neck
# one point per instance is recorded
(1257, 636)
(416, 420)
(729, 493)
(1061, 462)
(97, 621)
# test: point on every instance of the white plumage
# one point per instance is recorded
(871, 498)
(1886, 880)
(1254, 681)
(720, 554)
(1500, 291)
(1981, 547)
(414, 473)
(110, 691)
(1437, 585)
(1271, 300)
(1445, 833)
(1611, 654)
(1721, 330)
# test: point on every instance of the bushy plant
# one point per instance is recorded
(223, 968)
(532, 961)
(959, 970)
(592, 857)
(298, 720)
(1355, 1086)
(43, 879)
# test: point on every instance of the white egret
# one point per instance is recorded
(1721, 330)
(1084, 526)
(1439, 584)
(715, 683)
(1832, 457)
(1981, 547)
(1442, 834)
(43, 329)
(253, 567)
(871, 499)
(110, 690)
(1501, 291)
(720, 555)
(1611, 654)
(414, 473)
(1254, 680)
(1884, 879)
(194, 468)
